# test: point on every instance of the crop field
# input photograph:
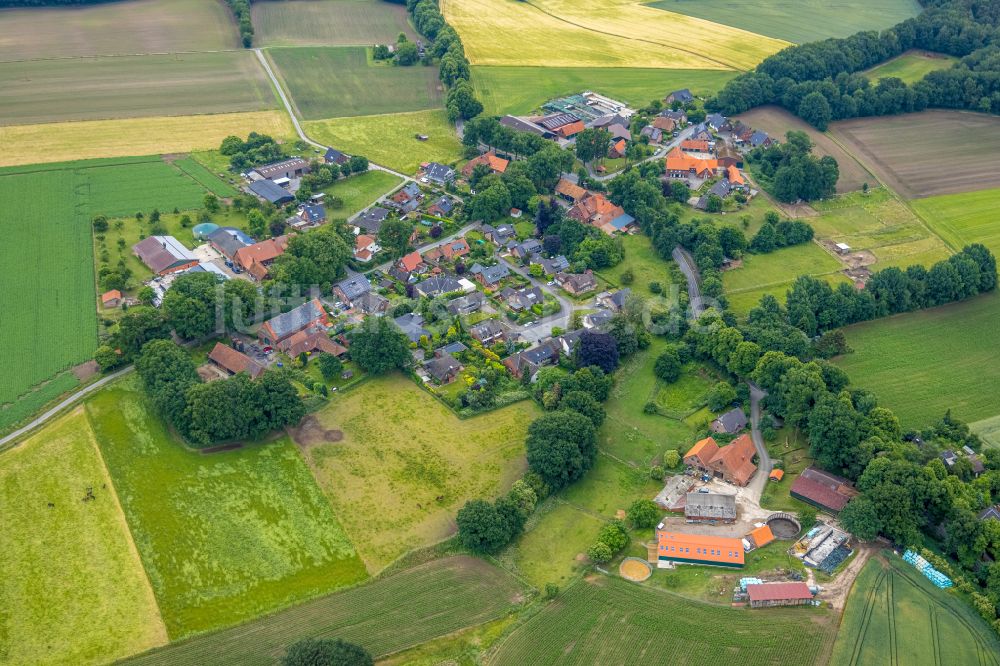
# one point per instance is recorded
(403, 449)
(385, 616)
(521, 90)
(957, 366)
(58, 142)
(894, 615)
(224, 537)
(329, 23)
(333, 82)
(964, 218)
(929, 153)
(988, 430)
(911, 66)
(198, 173)
(600, 33)
(607, 620)
(777, 122)
(798, 21)
(120, 28)
(359, 191)
(45, 91)
(71, 583)
(391, 139)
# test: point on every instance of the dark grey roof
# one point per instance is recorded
(445, 204)
(990, 512)
(716, 120)
(270, 191)
(370, 302)
(557, 120)
(466, 304)
(226, 242)
(354, 285)
(553, 265)
(609, 120)
(546, 352)
(569, 340)
(412, 325)
(314, 213)
(440, 367)
(758, 138)
(523, 299)
(295, 319)
(733, 421)
(674, 115)
(334, 156)
(487, 328)
(520, 125)
(599, 318)
(619, 298)
(371, 220)
(453, 348)
(439, 173)
(411, 188)
(436, 286)
(527, 248)
(493, 274)
(682, 95)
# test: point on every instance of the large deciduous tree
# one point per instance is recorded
(561, 447)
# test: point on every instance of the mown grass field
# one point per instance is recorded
(778, 268)
(45, 91)
(329, 23)
(521, 90)
(137, 26)
(333, 82)
(895, 615)
(71, 583)
(224, 537)
(359, 191)
(923, 363)
(406, 464)
(777, 122)
(391, 139)
(797, 21)
(385, 616)
(600, 33)
(57, 142)
(742, 302)
(606, 620)
(646, 266)
(911, 66)
(929, 153)
(964, 218)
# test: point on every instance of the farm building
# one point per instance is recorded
(164, 254)
(710, 507)
(761, 536)
(597, 210)
(823, 490)
(682, 165)
(521, 125)
(233, 361)
(282, 327)
(270, 191)
(673, 497)
(111, 299)
(255, 259)
(732, 463)
(569, 191)
(292, 168)
(681, 548)
(767, 595)
(731, 422)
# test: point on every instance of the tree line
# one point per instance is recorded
(820, 81)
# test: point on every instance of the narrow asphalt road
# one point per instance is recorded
(686, 263)
(76, 397)
(660, 153)
(764, 464)
(542, 328)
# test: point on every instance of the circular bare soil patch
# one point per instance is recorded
(311, 432)
(632, 568)
(783, 526)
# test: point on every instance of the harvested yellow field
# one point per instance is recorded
(600, 33)
(57, 142)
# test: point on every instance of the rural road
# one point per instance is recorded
(542, 328)
(660, 153)
(764, 465)
(686, 263)
(76, 397)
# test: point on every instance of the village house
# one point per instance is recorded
(365, 247)
(679, 548)
(164, 255)
(617, 149)
(716, 121)
(569, 191)
(490, 160)
(760, 139)
(234, 362)
(370, 221)
(312, 339)
(769, 595)
(551, 266)
(710, 508)
(371, 303)
(597, 210)
(823, 490)
(436, 173)
(619, 132)
(732, 463)
(257, 258)
(526, 250)
(597, 319)
(406, 199)
(488, 331)
(268, 190)
(467, 304)
(576, 284)
(437, 286)
(491, 276)
(697, 146)
(412, 325)
(679, 116)
(721, 188)
(991, 512)
(351, 287)
(282, 327)
(443, 207)
(526, 363)
(654, 134)
(228, 241)
(614, 300)
(443, 368)
(520, 300)
(730, 423)
(735, 178)
(682, 96)
(608, 121)
(568, 341)
(500, 234)
(411, 262)
(308, 216)
(334, 156)
(682, 165)
(664, 124)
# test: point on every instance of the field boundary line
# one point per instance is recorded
(97, 56)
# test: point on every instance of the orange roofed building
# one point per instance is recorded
(735, 177)
(494, 163)
(681, 548)
(732, 463)
(682, 165)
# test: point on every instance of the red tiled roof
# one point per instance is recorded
(571, 129)
(823, 488)
(410, 261)
(762, 536)
(111, 295)
(778, 591)
(704, 450)
(699, 145)
(262, 252)
(234, 361)
(678, 160)
(570, 189)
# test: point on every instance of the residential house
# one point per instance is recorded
(500, 234)
(515, 213)
(406, 199)
(721, 188)
(334, 156)
(770, 595)
(234, 362)
(411, 262)
(490, 276)
(412, 325)
(370, 221)
(735, 178)
(397, 272)
(730, 423)
(568, 341)
(598, 211)
(365, 247)
(280, 328)
(619, 131)
(439, 174)
(696, 146)
(310, 215)
(617, 149)
(664, 124)
(597, 319)
(716, 121)
(111, 299)
(682, 165)
(680, 548)
(256, 259)
(654, 134)
(371, 303)
(614, 300)
(490, 160)
(313, 339)
(679, 117)
(164, 254)
(609, 121)
(443, 368)
(525, 250)
(295, 167)
(823, 490)
(710, 508)
(729, 157)
(732, 463)
(488, 331)
(551, 266)
(526, 363)
(351, 287)
(520, 300)
(682, 96)
(229, 240)
(569, 191)
(990, 512)
(760, 139)
(437, 286)
(442, 207)
(949, 458)
(455, 249)
(576, 283)
(467, 304)
(702, 133)
(270, 191)
(452, 348)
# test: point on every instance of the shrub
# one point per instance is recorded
(671, 458)
(600, 553)
(643, 513)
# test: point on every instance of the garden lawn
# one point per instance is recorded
(329, 23)
(911, 66)
(521, 90)
(224, 536)
(333, 82)
(391, 140)
(798, 21)
(966, 218)
(923, 363)
(71, 583)
(359, 191)
(57, 142)
(406, 463)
